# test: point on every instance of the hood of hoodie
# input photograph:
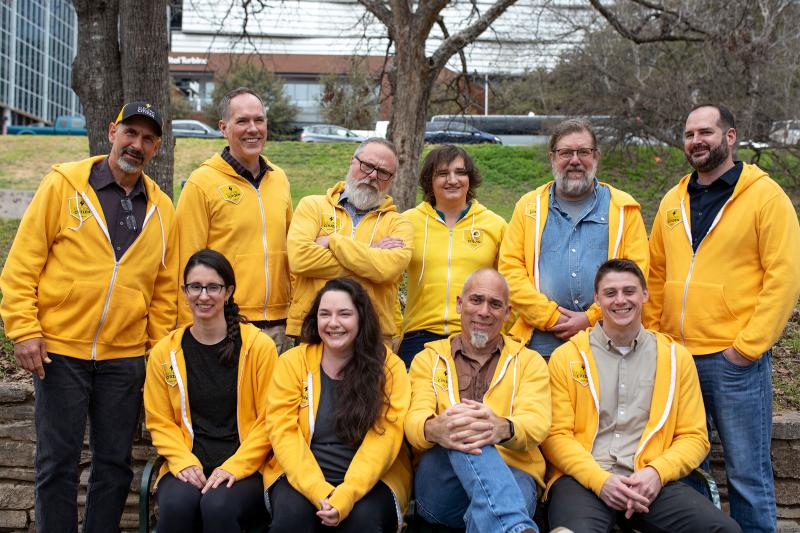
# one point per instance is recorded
(386, 205)
(619, 198)
(426, 208)
(77, 174)
(750, 175)
(249, 334)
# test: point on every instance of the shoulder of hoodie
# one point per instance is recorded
(252, 337)
(762, 185)
(620, 197)
(682, 355)
(57, 178)
(525, 355)
(172, 341)
(530, 196)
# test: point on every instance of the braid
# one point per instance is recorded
(227, 355)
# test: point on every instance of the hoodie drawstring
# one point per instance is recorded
(424, 247)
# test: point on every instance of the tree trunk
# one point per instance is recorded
(96, 71)
(412, 80)
(144, 47)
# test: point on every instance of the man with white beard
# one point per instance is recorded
(559, 234)
(480, 406)
(353, 230)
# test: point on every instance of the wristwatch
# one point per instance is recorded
(511, 430)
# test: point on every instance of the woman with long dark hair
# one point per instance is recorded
(336, 406)
(454, 235)
(204, 398)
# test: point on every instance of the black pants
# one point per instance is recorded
(293, 513)
(677, 508)
(109, 394)
(183, 508)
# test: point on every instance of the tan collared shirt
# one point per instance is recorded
(474, 372)
(626, 376)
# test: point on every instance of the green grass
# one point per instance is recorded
(507, 171)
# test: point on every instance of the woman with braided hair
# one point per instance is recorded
(204, 401)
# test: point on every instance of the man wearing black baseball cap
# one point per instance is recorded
(90, 283)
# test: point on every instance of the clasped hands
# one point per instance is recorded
(467, 427)
(634, 493)
(194, 476)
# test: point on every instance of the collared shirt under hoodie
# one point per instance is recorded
(571, 251)
(626, 376)
(263, 167)
(474, 374)
(111, 194)
(707, 200)
(355, 213)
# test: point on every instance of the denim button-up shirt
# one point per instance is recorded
(571, 252)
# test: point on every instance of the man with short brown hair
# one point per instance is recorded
(239, 204)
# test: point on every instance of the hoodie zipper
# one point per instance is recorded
(264, 244)
(688, 231)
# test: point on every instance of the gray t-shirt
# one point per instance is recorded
(332, 455)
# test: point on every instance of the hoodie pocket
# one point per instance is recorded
(126, 319)
(250, 281)
(706, 312)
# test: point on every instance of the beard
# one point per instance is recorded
(574, 187)
(126, 166)
(362, 194)
(479, 339)
(716, 156)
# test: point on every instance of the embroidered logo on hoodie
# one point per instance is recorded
(169, 374)
(473, 238)
(673, 217)
(231, 193)
(78, 209)
(579, 373)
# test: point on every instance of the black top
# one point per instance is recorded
(110, 194)
(263, 167)
(705, 201)
(211, 388)
(332, 455)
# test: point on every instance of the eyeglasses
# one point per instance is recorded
(568, 153)
(195, 289)
(130, 220)
(381, 173)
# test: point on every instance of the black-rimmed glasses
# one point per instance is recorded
(195, 289)
(367, 168)
(568, 153)
(127, 207)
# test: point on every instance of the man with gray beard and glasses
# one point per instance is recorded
(559, 234)
(480, 406)
(353, 230)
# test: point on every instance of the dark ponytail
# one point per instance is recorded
(228, 354)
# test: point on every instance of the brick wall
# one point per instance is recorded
(17, 451)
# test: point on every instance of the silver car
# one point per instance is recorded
(194, 128)
(324, 133)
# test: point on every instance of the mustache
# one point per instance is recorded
(133, 152)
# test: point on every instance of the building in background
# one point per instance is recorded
(38, 41)
(302, 40)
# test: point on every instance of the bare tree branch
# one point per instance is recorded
(458, 41)
(669, 18)
(380, 10)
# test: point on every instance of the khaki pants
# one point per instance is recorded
(278, 335)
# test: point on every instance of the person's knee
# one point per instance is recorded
(218, 503)
(719, 522)
(178, 504)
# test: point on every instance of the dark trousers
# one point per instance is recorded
(293, 513)
(109, 393)
(677, 508)
(414, 342)
(182, 508)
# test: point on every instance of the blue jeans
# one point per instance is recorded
(414, 342)
(109, 393)
(739, 402)
(479, 492)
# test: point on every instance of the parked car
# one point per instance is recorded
(325, 133)
(457, 133)
(194, 128)
(64, 125)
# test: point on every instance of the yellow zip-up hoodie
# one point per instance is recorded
(435, 277)
(62, 281)
(219, 209)
(290, 425)
(740, 286)
(169, 419)
(674, 441)
(519, 254)
(349, 253)
(519, 391)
